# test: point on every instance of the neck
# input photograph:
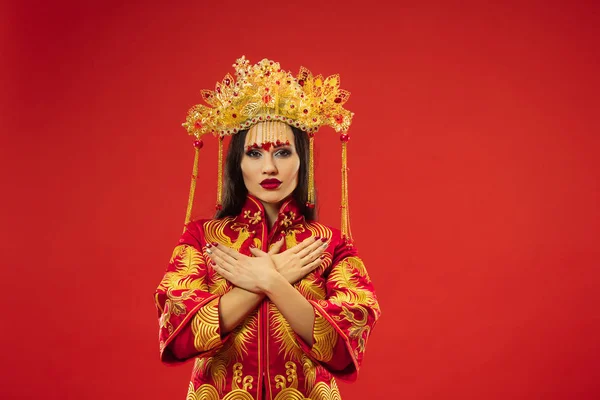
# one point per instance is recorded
(272, 211)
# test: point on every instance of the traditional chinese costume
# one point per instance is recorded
(263, 358)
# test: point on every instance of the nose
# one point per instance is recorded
(268, 167)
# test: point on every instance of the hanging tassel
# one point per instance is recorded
(311, 172)
(345, 228)
(219, 205)
(188, 214)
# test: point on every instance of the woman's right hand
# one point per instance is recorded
(298, 261)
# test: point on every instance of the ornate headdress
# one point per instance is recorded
(264, 92)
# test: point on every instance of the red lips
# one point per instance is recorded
(270, 184)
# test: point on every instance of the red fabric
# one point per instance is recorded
(264, 350)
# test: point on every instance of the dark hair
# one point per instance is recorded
(234, 189)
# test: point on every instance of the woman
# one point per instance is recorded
(270, 303)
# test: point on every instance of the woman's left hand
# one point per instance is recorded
(255, 274)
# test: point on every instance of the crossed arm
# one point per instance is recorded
(267, 274)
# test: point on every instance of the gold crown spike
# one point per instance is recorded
(265, 92)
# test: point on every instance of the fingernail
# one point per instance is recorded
(208, 251)
(208, 245)
(215, 244)
(322, 257)
(324, 245)
(317, 238)
(323, 239)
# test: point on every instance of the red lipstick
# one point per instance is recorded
(270, 184)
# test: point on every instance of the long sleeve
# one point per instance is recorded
(345, 318)
(188, 313)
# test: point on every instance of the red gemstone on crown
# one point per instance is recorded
(344, 137)
(198, 125)
(234, 115)
(305, 111)
(198, 144)
(338, 100)
(266, 98)
(310, 205)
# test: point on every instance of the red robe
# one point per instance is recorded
(263, 354)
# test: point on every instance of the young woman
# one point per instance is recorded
(268, 302)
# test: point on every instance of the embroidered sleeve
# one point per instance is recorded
(345, 318)
(188, 313)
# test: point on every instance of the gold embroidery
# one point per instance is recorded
(174, 306)
(214, 231)
(319, 230)
(237, 378)
(287, 219)
(348, 281)
(325, 338)
(233, 350)
(310, 288)
(254, 219)
(187, 276)
(310, 373)
(349, 276)
(187, 262)
(209, 392)
(284, 335)
(205, 326)
(322, 391)
(290, 235)
(292, 377)
(359, 328)
(200, 366)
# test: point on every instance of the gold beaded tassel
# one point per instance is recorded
(311, 171)
(345, 228)
(219, 205)
(188, 214)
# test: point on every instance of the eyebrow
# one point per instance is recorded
(274, 146)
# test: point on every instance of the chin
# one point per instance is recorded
(271, 197)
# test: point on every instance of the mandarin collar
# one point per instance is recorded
(253, 213)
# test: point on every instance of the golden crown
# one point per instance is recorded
(265, 92)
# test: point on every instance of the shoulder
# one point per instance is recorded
(193, 233)
(197, 230)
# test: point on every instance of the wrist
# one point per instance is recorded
(271, 282)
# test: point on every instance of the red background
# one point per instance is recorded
(473, 185)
